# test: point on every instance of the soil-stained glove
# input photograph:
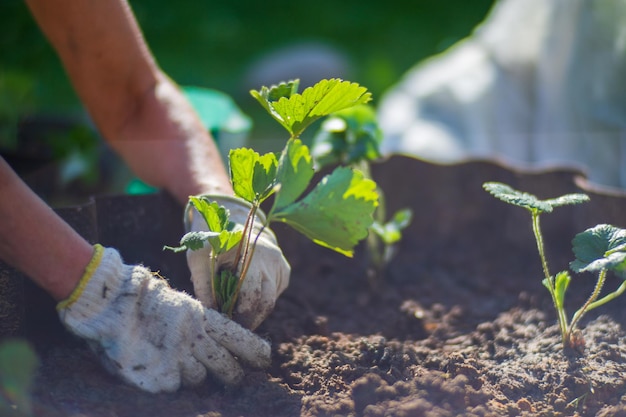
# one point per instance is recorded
(266, 279)
(152, 336)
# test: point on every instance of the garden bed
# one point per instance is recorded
(460, 324)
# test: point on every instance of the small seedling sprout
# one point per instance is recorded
(352, 137)
(599, 249)
(335, 213)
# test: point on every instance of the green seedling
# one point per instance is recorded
(352, 137)
(336, 212)
(599, 249)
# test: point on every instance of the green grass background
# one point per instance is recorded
(212, 44)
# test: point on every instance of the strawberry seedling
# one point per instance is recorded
(599, 249)
(336, 213)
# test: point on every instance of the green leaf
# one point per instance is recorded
(215, 216)
(252, 174)
(241, 164)
(264, 177)
(391, 232)
(600, 247)
(511, 196)
(529, 201)
(568, 199)
(276, 92)
(294, 173)
(223, 234)
(225, 286)
(337, 212)
(347, 137)
(561, 283)
(191, 241)
(295, 112)
(619, 248)
(266, 96)
(220, 242)
(225, 240)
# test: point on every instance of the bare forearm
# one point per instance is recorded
(166, 145)
(138, 110)
(36, 241)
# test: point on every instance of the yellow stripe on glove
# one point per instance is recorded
(89, 271)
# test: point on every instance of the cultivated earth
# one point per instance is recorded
(460, 323)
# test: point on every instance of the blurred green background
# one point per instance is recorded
(218, 45)
(212, 43)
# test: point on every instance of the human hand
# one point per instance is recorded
(267, 276)
(152, 336)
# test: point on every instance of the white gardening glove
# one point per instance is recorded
(266, 279)
(152, 336)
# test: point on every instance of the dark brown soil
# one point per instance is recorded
(460, 324)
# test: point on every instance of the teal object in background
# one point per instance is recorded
(218, 112)
(220, 115)
(136, 186)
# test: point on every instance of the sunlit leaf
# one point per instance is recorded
(561, 283)
(264, 176)
(391, 232)
(225, 240)
(529, 201)
(295, 170)
(348, 136)
(295, 112)
(241, 164)
(337, 212)
(252, 174)
(215, 216)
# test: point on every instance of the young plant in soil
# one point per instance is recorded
(335, 213)
(352, 137)
(598, 250)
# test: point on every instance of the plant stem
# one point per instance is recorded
(562, 318)
(594, 295)
(246, 266)
(540, 248)
(246, 257)
(374, 242)
(214, 278)
(608, 297)
(249, 228)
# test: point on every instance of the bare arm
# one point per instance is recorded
(36, 241)
(138, 110)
